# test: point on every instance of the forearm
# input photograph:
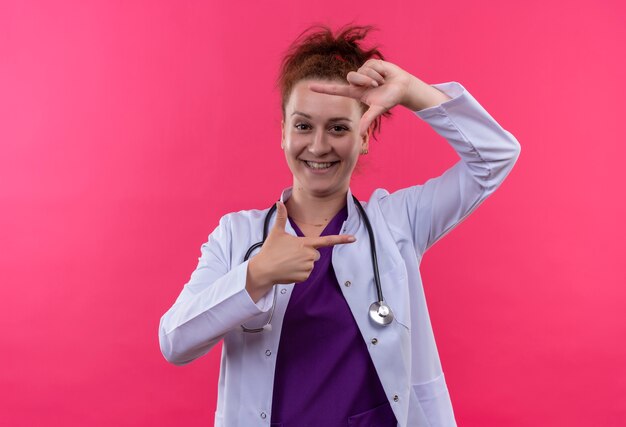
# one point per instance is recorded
(487, 154)
(204, 313)
(488, 151)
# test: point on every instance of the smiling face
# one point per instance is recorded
(321, 140)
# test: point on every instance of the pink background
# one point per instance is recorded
(128, 128)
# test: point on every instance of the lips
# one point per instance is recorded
(319, 165)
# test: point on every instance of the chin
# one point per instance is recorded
(321, 190)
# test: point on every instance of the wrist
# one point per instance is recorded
(257, 278)
(421, 95)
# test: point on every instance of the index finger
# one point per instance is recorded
(337, 89)
(322, 241)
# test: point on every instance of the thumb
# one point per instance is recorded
(281, 217)
(368, 117)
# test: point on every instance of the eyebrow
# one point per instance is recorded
(332, 119)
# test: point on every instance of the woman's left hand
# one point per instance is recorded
(383, 85)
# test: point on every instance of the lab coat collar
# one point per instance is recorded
(353, 214)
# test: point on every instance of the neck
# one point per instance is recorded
(311, 209)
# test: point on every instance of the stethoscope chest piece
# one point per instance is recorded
(380, 313)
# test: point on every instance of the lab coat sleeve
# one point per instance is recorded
(212, 303)
(487, 154)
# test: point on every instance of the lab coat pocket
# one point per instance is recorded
(435, 402)
(396, 293)
(381, 416)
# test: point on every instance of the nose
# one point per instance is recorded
(319, 145)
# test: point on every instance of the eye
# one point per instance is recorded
(302, 126)
(339, 128)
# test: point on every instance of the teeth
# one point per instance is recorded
(316, 165)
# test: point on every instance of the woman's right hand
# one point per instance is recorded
(285, 258)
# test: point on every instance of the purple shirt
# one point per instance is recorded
(324, 374)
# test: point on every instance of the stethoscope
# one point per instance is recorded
(379, 311)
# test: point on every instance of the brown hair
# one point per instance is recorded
(318, 54)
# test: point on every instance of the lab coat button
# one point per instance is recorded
(347, 283)
(395, 398)
(374, 341)
(263, 415)
(283, 291)
(268, 353)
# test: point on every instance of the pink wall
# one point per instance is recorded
(128, 128)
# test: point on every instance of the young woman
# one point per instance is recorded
(324, 321)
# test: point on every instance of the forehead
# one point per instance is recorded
(320, 105)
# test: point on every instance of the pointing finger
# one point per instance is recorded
(323, 241)
(337, 89)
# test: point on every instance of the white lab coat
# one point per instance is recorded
(406, 223)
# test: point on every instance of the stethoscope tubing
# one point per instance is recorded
(266, 227)
(370, 232)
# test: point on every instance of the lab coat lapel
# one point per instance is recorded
(389, 346)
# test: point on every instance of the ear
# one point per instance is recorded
(282, 136)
